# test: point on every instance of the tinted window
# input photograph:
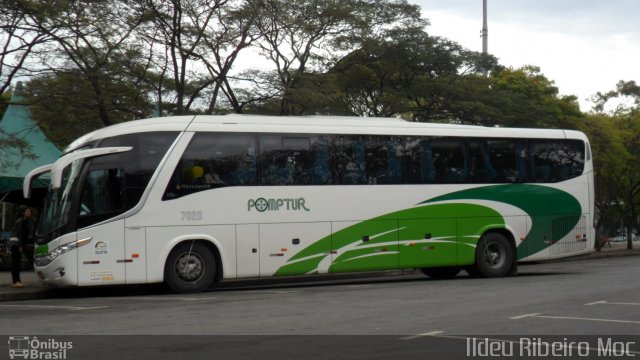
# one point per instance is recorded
(449, 160)
(103, 196)
(480, 167)
(555, 161)
(499, 161)
(115, 183)
(349, 158)
(286, 160)
(321, 167)
(214, 160)
(290, 159)
(383, 160)
(418, 157)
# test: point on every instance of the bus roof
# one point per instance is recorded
(316, 124)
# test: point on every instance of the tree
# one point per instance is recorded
(625, 90)
(19, 37)
(628, 182)
(380, 77)
(623, 184)
(181, 28)
(521, 97)
(64, 104)
(610, 158)
(200, 41)
(300, 37)
(93, 41)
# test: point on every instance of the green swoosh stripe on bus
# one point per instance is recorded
(391, 233)
(554, 213)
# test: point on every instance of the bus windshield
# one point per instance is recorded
(115, 176)
(57, 204)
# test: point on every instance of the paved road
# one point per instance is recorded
(598, 297)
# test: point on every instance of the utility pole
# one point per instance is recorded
(485, 29)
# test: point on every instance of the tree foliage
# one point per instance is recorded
(301, 37)
(193, 45)
(625, 90)
(628, 180)
(19, 38)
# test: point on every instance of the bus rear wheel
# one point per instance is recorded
(190, 268)
(441, 272)
(495, 257)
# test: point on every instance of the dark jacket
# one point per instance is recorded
(25, 231)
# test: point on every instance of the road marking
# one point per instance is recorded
(164, 298)
(605, 302)
(359, 286)
(432, 333)
(272, 291)
(596, 303)
(537, 315)
(523, 316)
(87, 308)
(70, 308)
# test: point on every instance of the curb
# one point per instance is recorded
(614, 253)
(39, 293)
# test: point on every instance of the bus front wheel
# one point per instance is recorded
(495, 257)
(190, 268)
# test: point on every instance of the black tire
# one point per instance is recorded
(190, 268)
(441, 272)
(495, 257)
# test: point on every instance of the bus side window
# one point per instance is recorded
(358, 172)
(394, 158)
(285, 159)
(418, 157)
(557, 160)
(273, 161)
(383, 162)
(504, 158)
(213, 160)
(450, 160)
(480, 166)
(349, 160)
(321, 172)
(522, 161)
(427, 169)
(102, 196)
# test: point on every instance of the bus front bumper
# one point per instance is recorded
(58, 273)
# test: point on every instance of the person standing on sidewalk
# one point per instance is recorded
(25, 232)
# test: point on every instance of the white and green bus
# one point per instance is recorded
(192, 200)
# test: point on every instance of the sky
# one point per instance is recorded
(584, 46)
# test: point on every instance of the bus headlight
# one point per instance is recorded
(46, 260)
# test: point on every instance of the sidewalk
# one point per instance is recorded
(35, 290)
